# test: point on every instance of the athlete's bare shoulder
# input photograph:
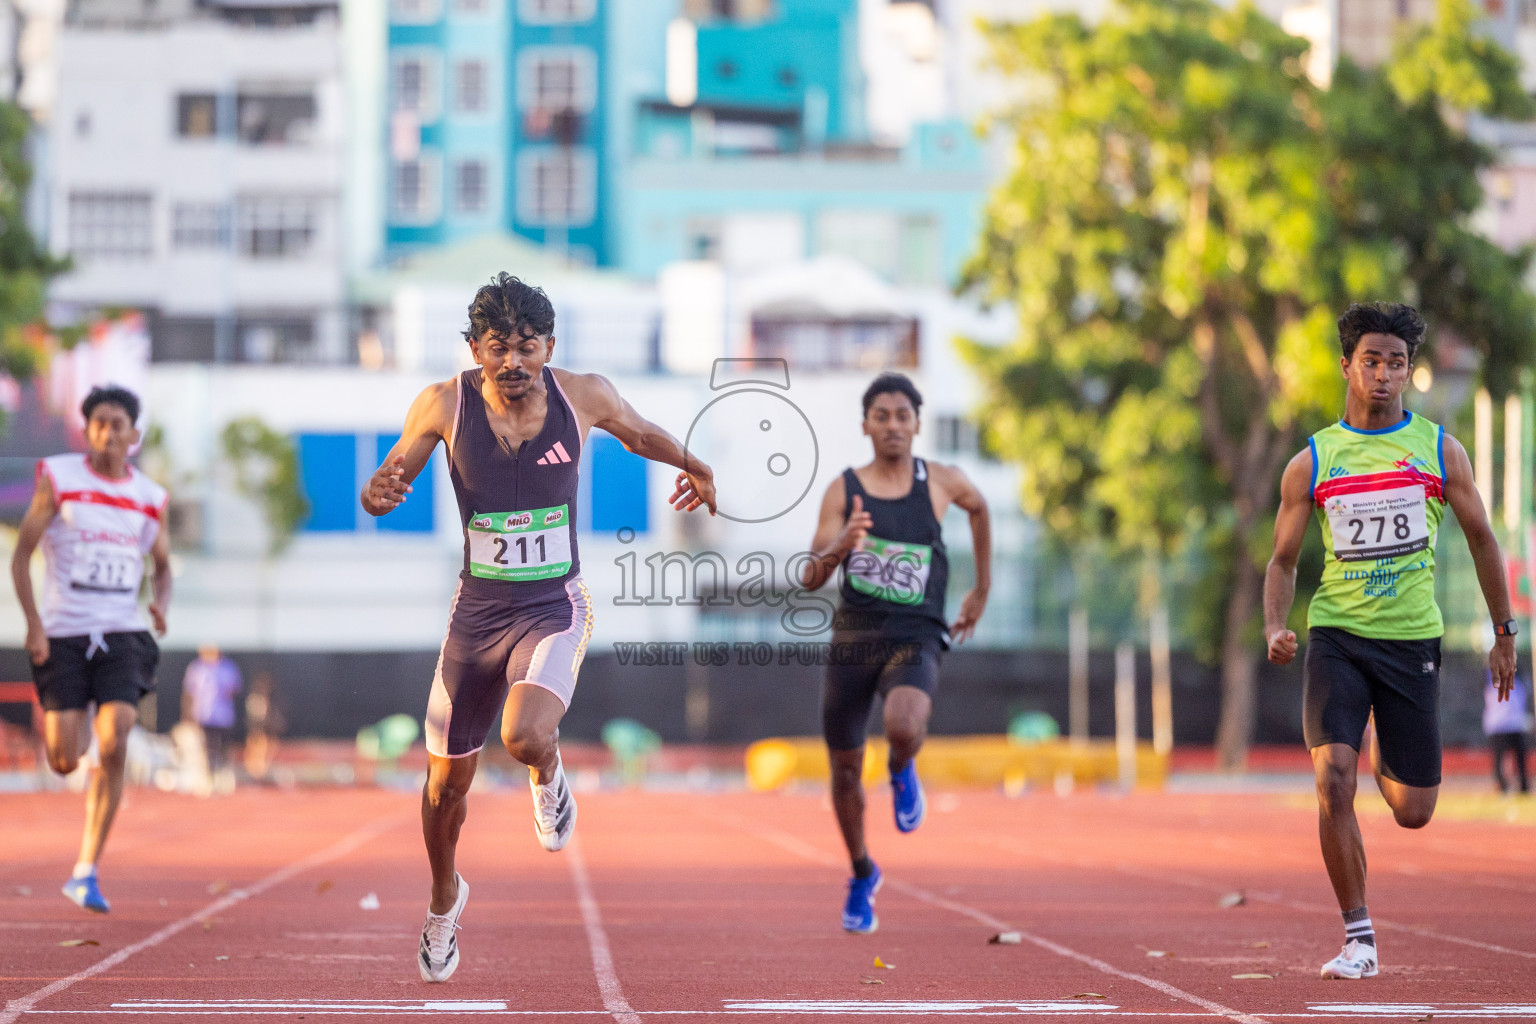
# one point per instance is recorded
(596, 401)
(433, 410)
(952, 482)
(592, 394)
(942, 473)
(1296, 480)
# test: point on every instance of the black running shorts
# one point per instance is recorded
(863, 664)
(122, 667)
(1347, 677)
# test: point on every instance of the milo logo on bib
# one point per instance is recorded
(531, 545)
(890, 570)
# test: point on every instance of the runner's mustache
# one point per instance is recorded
(513, 376)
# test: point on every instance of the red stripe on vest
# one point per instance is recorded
(1433, 486)
(116, 501)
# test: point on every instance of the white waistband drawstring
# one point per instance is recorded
(98, 643)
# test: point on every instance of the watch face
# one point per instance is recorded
(762, 450)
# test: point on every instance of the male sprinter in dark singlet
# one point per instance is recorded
(1379, 480)
(96, 518)
(521, 617)
(880, 522)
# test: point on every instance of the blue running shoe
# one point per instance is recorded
(859, 909)
(86, 894)
(911, 806)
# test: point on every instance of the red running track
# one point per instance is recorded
(706, 906)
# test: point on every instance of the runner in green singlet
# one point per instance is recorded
(1379, 481)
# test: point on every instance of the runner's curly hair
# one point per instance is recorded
(508, 306)
(1392, 318)
(892, 383)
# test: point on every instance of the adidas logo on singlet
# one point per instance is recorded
(555, 456)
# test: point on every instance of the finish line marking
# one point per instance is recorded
(836, 1008)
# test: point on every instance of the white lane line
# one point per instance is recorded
(924, 1007)
(836, 1008)
(1210, 885)
(16, 1007)
(800, 849)
(1197, 882)
(602, 954)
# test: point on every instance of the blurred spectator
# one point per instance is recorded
(263, 725)
(1508, 725)
(208, 699)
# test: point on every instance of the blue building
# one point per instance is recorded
(639, 133)
(495, 123)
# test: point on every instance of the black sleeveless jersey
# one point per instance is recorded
(517, 508)
(896, 583)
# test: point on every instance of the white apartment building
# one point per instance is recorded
(195, 172)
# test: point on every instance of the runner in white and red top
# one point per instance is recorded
(96, 518)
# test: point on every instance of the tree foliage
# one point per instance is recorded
(266, 465)
(25, 266)
(1187, 217)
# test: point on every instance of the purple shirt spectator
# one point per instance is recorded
(1513, 715)
(210, 686)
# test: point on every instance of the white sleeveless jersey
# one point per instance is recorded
(95, 546)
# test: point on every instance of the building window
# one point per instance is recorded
(872, 237)
(556, 12)
(414, 12)
(277, 338)
(330, 474)
(275, 227)
(828, 343)
(618, 482)
(111, 225)
(414, 84)
(414, 190)
(556, 187)
(469, 87)
(921, 258)
(469, 186)
(200, 226)
(701, 11)
(275, 118)
(957, 436)
(557, 78)
(197, 115)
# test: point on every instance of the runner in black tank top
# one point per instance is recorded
(895, 584)
(880, 526)
(521, 615)
(534, 559)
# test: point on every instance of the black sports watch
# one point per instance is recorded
(1505, 628)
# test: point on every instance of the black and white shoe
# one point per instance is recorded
(438, 955)
(554, 810)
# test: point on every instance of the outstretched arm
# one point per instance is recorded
(964, 493)
(427, 423)
(609, 410)
(160, 582)
(39, 514)
(835, 537)
(1461, 494)
(1280, 576)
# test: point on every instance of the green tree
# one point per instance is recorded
(1187, 217)
(266, 465)
(25, 267)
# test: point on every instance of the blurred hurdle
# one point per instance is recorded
(962, 761)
